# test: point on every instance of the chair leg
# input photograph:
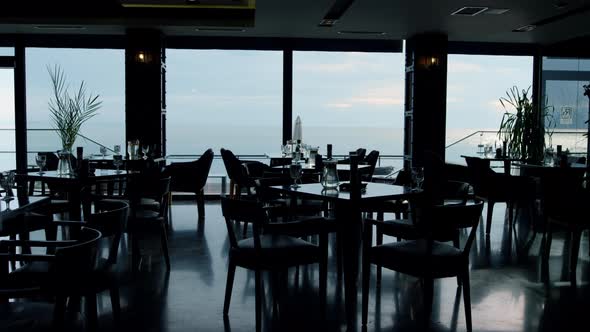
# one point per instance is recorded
(366, 275)
(379, 241)
(59, 312)
(164, 241)
(467, 298)
(428, 293)
(91, 313)
(135, 252)
(323, 272)
(546, 254)
(231, 271)
(245, 231)
(489, 217)
(201, 203)
(258, 299)
(574, 249)
(115, 303)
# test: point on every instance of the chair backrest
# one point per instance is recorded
(51, 160)
(233, 166)
(361, 152)
(242, 210)
(110, 218)
(371, 160)
(562, 194)
(479, 169)
(190, 176)
(74, 262)
(437, 221)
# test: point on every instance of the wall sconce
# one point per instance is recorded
(429, 61)
(143, 57)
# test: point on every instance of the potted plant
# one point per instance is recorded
(69, 112)
(522, 126)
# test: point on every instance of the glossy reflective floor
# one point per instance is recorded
(506, 288)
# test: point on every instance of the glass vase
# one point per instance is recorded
(64, 166)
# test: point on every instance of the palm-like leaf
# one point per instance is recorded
(69, 112)
(521, 125)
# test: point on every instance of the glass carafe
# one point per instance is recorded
(330, 174)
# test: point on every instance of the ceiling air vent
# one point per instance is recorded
(469, 11)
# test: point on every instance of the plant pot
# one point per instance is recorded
(64, 166)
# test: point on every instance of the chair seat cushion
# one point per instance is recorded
(275, 250)
(411, 257)
(402, 228)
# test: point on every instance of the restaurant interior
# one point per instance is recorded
(314, 235)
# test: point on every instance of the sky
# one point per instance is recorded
(209, 92)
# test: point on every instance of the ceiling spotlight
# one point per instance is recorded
(525, 28)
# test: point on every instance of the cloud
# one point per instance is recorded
(456, 67)
(326, 67)
(341, 106)
(391, 95)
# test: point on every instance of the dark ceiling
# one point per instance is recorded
(555, 21)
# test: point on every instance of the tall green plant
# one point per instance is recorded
(523, 125)
(69, 111)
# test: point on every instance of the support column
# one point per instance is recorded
(287, 95)
(145, 108)
(426, 99)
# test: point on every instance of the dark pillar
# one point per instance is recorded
(20, 107)
(287, 95)
(425, 100)
(144, 89)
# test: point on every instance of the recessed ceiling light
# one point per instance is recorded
(327, 22)
(496, 11)
(220, 29)
(525, 28)
(375, 33)
(60, 27)
(469, 11)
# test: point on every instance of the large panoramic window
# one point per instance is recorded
(563, 83)
(103, 72)
(474, 111)
(223, 99)
(7, 144)
(350, 100)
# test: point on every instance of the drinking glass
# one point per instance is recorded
(41, 160)
(117, 162)
(295, 170)
(117, 149)
(145, 148)
(103, 151)
(6, 182)
(417, 176)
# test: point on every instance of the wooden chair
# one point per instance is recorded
(60, 275)
(563, 208)
(425, 257)
(191, 177)
(267, 252)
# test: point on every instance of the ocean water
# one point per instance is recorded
(251, 140)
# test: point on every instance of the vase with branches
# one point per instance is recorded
(69, 111)
(524, 125)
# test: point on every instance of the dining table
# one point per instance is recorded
(507, 161)
(347, 209)
(72, 184)
(12, 210)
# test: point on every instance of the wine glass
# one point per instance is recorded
(117, 162)
(295, 170)
(117, 149)
(41, 160)
(103, 151)
(145, 148)
(418, 176)
(6, 182)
